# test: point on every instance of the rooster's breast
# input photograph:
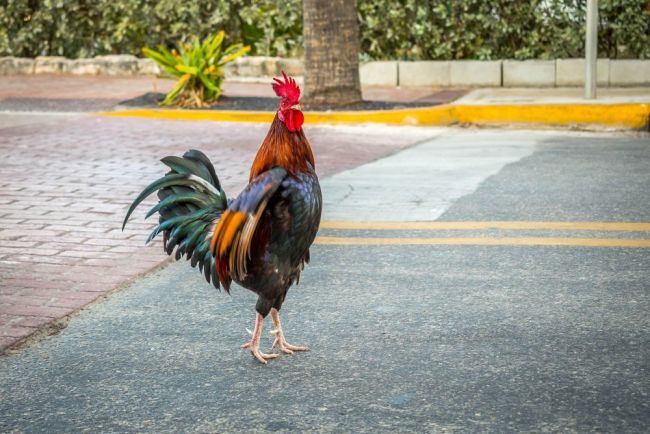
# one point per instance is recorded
(287, 230)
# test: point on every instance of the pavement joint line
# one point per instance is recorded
(487, 241)
(471, 225)
(630, 115)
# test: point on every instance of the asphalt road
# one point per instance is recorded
(409, 338)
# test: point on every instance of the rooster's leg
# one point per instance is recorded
(254, 344)
(280, 341)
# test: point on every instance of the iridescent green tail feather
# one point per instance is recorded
(191, 201)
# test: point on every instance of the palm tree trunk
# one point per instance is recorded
(331, 34)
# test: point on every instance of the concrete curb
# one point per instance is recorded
(618, 116)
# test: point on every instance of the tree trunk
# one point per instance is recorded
(331, 34)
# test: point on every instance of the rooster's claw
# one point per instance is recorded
(255, 352)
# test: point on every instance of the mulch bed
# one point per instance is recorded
(153, 99)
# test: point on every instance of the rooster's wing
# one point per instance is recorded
(231, 241)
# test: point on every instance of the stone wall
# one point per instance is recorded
(122, 64)
(460, 73)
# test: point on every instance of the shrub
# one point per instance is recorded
(83, 28)
(499, 29)
(390, 29)
(198, 66)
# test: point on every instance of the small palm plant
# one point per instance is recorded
(198, 66)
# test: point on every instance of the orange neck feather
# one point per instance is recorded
(282, 148)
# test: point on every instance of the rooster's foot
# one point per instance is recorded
(253, 347)
(280, 341)
(283, 345)
(254, 344)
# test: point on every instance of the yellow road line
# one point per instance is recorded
(514, 225)
(505, 241)
(617, 115)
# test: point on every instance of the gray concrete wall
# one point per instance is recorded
(476, 73)
(460, 73)
(571, 72)
(629, 72)
(426, 73)
(528, 73)
(381, 73)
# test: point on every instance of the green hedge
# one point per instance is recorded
(85, 28)
(390, 29)
(500, 29)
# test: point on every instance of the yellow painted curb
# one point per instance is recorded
(632, 116)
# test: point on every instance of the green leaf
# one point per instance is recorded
(192, 70)
(214, 45)
(208, 83)
(161, 60)
(233, 56)
(178, 87)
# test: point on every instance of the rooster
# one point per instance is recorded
(261, 238)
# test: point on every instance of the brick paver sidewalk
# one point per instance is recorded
(95, 93)
(65, 185)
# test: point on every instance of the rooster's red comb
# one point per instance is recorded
(287, 89)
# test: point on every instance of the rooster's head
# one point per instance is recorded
(289, 111)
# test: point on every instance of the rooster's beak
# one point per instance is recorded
(296, 106)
